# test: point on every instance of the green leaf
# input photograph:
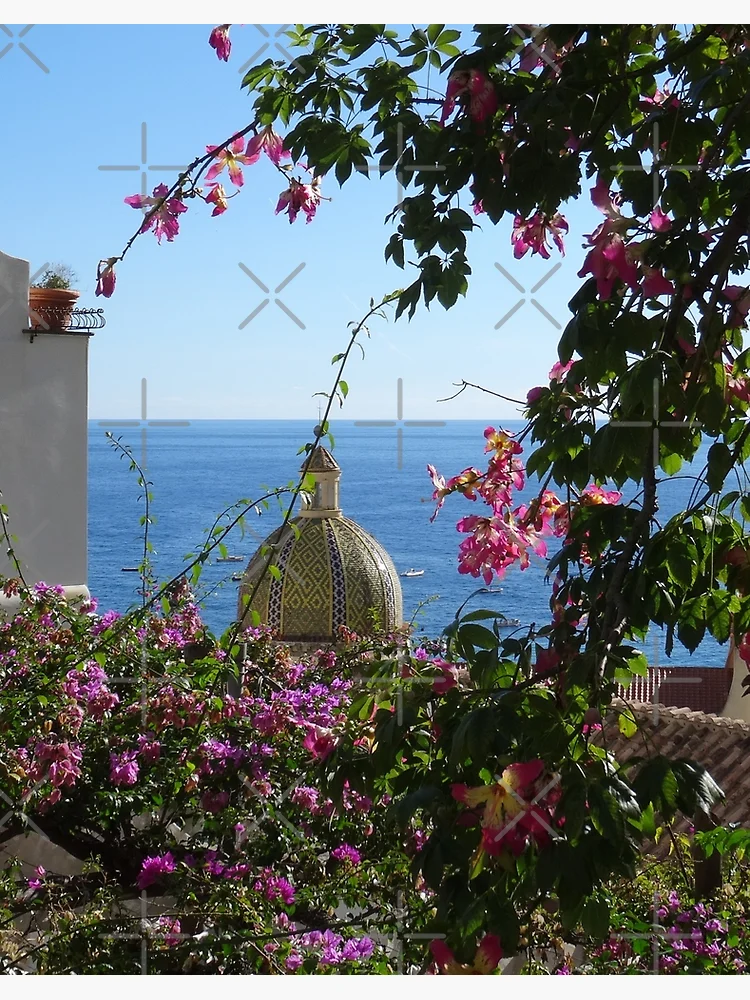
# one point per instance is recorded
(595, 917)
(626, 723)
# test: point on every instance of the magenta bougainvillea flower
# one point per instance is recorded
(231, 157)
(477, 92)
(153, 868)
(531, 234)
(485, 962)
(163, 212)
(123, 768)
(219, 41)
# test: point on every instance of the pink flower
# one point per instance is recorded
(218, 198)
(534, 394)
(532, 233)
(661, 98)
(486, 960)
(36, 883)
(300, 197)
(478, 92)
(219, 40)
(659, 222)
(319, 742)
(654, 283)
(153, 868)
(478, 207)
(738, 386)
(558, 371)
(214, 802)
(347, 853)
(230, 156)
(123, 768)
(170, 928)
(269, 142)
(740, 297)
(449, 678)
(608, 260)
(163, 213)
(105, 278)
(597, 495)
(149, 749)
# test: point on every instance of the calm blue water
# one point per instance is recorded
(199, 470)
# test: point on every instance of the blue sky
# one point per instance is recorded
(175, 315)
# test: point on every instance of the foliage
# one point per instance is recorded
(482, 752)
(120, 744)
(59, 276)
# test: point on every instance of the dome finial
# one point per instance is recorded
(324, 467)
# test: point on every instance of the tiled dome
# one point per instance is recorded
(331, 571)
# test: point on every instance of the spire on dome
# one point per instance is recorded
(327, 473)
(322, 461)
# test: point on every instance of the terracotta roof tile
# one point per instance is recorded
(721, 745)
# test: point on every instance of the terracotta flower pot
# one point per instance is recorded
(51, 308)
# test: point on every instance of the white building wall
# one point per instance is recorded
(43, 440)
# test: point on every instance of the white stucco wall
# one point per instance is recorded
(43, 440)
(737, 706)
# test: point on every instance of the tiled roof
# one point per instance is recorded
(721, 745)
(323, 461)
(701, 689)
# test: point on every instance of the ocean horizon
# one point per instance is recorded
(198, 468)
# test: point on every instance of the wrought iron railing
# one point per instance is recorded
(61, 321)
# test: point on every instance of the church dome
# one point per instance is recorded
(331, 571)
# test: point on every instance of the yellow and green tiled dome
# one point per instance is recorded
(331, 571)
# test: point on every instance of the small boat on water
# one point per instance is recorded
(130, 569)
(230, 559)
(413, 572)
(236, 576)
(509, 623)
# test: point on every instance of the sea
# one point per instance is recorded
(200, 468)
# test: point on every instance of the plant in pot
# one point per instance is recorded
(52, 300)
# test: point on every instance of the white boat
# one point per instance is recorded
(130, 569)
(413, 572)
(230, 559)
(236, 576)
(509, 623)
